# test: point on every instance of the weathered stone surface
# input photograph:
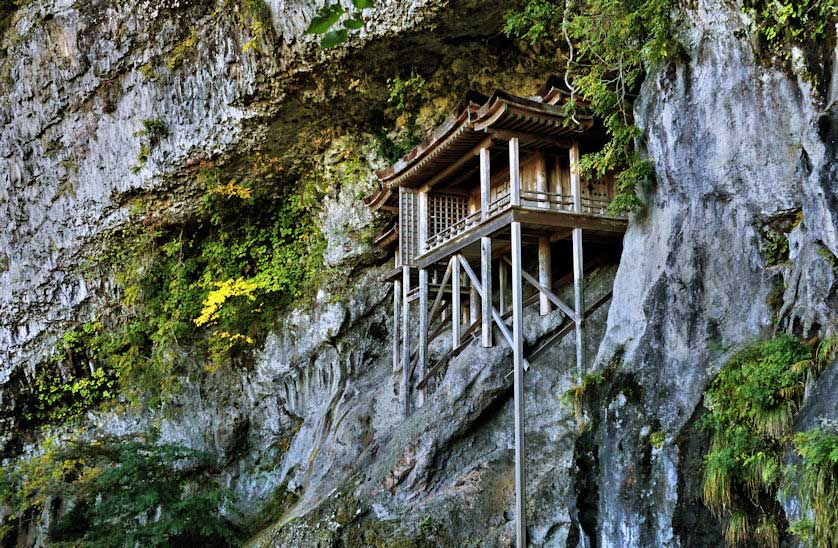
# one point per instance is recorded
(734, 144)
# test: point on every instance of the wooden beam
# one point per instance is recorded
(504, 330)
(423, 221)
(502, 283)
(440, 292)
(578, 266)
(518, 386)
(526, 138)
(485, 183)
(575, 178)
(566, 219)
(552, 296)
(454, 166)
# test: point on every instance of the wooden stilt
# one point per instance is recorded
(545, 273)
(423, 331)
(502, 284)
(405, 340)
(579, 302)
(486, 282)
(455, 302)
(514, 173)
(473, 305)
(397, 303)
(518, 388)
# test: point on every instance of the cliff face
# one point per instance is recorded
(741, 151)
(737, 147)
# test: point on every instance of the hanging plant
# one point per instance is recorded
(331, 24)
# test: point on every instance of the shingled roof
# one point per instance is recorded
(541, 117)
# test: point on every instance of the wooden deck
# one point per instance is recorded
(536, 220)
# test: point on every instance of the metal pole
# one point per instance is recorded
(518, 387)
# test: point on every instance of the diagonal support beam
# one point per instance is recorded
(504, 329)
(550, 295)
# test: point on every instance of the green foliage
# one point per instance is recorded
(776, 249)
(73, 383)
(405, 96)
(608, 45)
(257, 15)
(751, 404)
(208, 290)
(782, 24)
(817, 485)
(152, 131)
(326, 20)
(827, 254)
(181, 51)
(121, 492)
(657, 439)
(148, 73)
(587, 390)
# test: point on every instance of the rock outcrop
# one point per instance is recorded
(744, 152)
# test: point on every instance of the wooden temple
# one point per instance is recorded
(495, 184)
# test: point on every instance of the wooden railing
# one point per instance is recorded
(454, 230)
(551, 201)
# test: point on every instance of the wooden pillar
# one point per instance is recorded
(518, 387)
(473, 304)
(545, 274)
(485, 183)
(405, 340)
(455, 302)
(514, 173)
(502, 284)
(541, 180)
(486, 282)
(579, 301)
(397, 303)
(485, 252)
(423, 331)
(423, 221)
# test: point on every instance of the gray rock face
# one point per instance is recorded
(735, 145)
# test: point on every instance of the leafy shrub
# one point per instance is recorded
(121, 492)
(325, 22)
(792, 22)
(817, 485)
(751, 404)
(214, 285)
(72, 382)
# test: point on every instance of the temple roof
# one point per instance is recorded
(538, 120)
